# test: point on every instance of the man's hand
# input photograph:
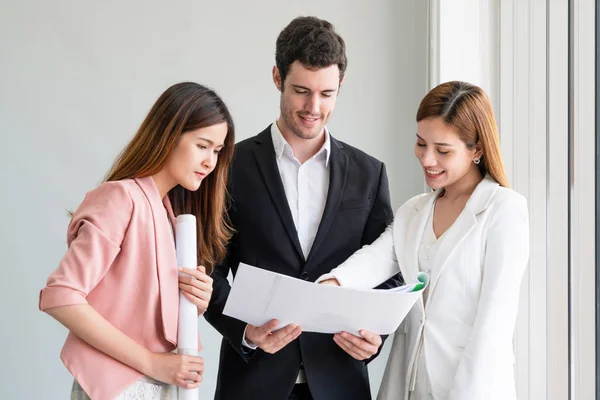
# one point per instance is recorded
(269, 341)
(360, 347)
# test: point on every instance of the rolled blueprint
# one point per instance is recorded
(187, 334)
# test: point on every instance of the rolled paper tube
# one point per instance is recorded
(187, 334)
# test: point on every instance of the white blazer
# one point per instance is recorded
(467, 326)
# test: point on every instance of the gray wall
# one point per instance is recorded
(78, 78)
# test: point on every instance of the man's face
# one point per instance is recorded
(307, 99)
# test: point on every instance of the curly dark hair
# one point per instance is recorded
(313, 42)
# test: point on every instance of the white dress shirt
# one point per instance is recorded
(306, 186)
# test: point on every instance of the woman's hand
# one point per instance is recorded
(331, 282)
(176, 369)
(196, 286)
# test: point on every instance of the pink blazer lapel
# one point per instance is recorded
(166, 258)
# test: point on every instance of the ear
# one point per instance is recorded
(277, 78)
(478, 150)
(342, 80)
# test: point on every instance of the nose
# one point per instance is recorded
(210, 161)
(427, 158)
(313, 104)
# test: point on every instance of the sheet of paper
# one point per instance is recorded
(257, 296)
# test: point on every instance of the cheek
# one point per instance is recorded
(291, 103)
(328, 105)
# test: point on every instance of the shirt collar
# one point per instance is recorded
(281, 145)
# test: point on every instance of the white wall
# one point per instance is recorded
(78, 78)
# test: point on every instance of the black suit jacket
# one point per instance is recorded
(357, 211)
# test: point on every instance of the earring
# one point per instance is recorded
(477, 160)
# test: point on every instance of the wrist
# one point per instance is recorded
(146, 363)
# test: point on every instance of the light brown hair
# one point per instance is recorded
(181, 108)
(467, 110)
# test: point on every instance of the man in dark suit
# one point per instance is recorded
(302, 202)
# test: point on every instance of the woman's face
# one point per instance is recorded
(196, 155)
(445, 158)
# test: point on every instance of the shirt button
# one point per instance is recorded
(304, 275)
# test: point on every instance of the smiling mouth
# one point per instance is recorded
(309, 120)
(434, 173)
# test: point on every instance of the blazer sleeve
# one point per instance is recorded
(369, 266)
(375, 263)
(505, 261)
(94, 239)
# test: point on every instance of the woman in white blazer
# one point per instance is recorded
(471, 236)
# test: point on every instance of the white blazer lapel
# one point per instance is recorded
(413, 234)
(461, 228)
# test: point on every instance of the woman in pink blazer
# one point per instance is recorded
(117, 287)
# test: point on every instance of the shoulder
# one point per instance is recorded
(506, 200)
(356, 155)
(411, 204)
(108, 208)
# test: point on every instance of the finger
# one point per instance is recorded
(190, 377)
(193, 360)
(189, 385)
(267, 328)
(194, 368)
(201, 268)
(203, 304)
(357, 345)
(371, 337)
(345, 345)
(194, 291)
(194, 273)
(293, 335)
(191, 274)
(201, 286)
(361, 344)
(330, 282)
(275, 337)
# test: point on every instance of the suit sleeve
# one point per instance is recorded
(232, 329)
(505, 260)
(380, 218)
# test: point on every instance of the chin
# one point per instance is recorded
(192, 186)
(434, 185)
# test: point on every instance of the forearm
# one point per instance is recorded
(88, 325)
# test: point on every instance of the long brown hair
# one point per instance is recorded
(467, 110)
(181, 108)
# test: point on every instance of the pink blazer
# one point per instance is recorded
(121, 260)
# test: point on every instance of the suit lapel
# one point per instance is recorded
(264, 153)
(166, 257)
(338, 170)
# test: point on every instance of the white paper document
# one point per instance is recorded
(258, 296)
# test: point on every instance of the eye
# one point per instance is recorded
(443, 152)
(300, 91)
(420, 144)
(218, 152)
(201, 147)
(326, 94)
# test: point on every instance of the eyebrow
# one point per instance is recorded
(438, 143)
(305, 88)
(210, 141)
